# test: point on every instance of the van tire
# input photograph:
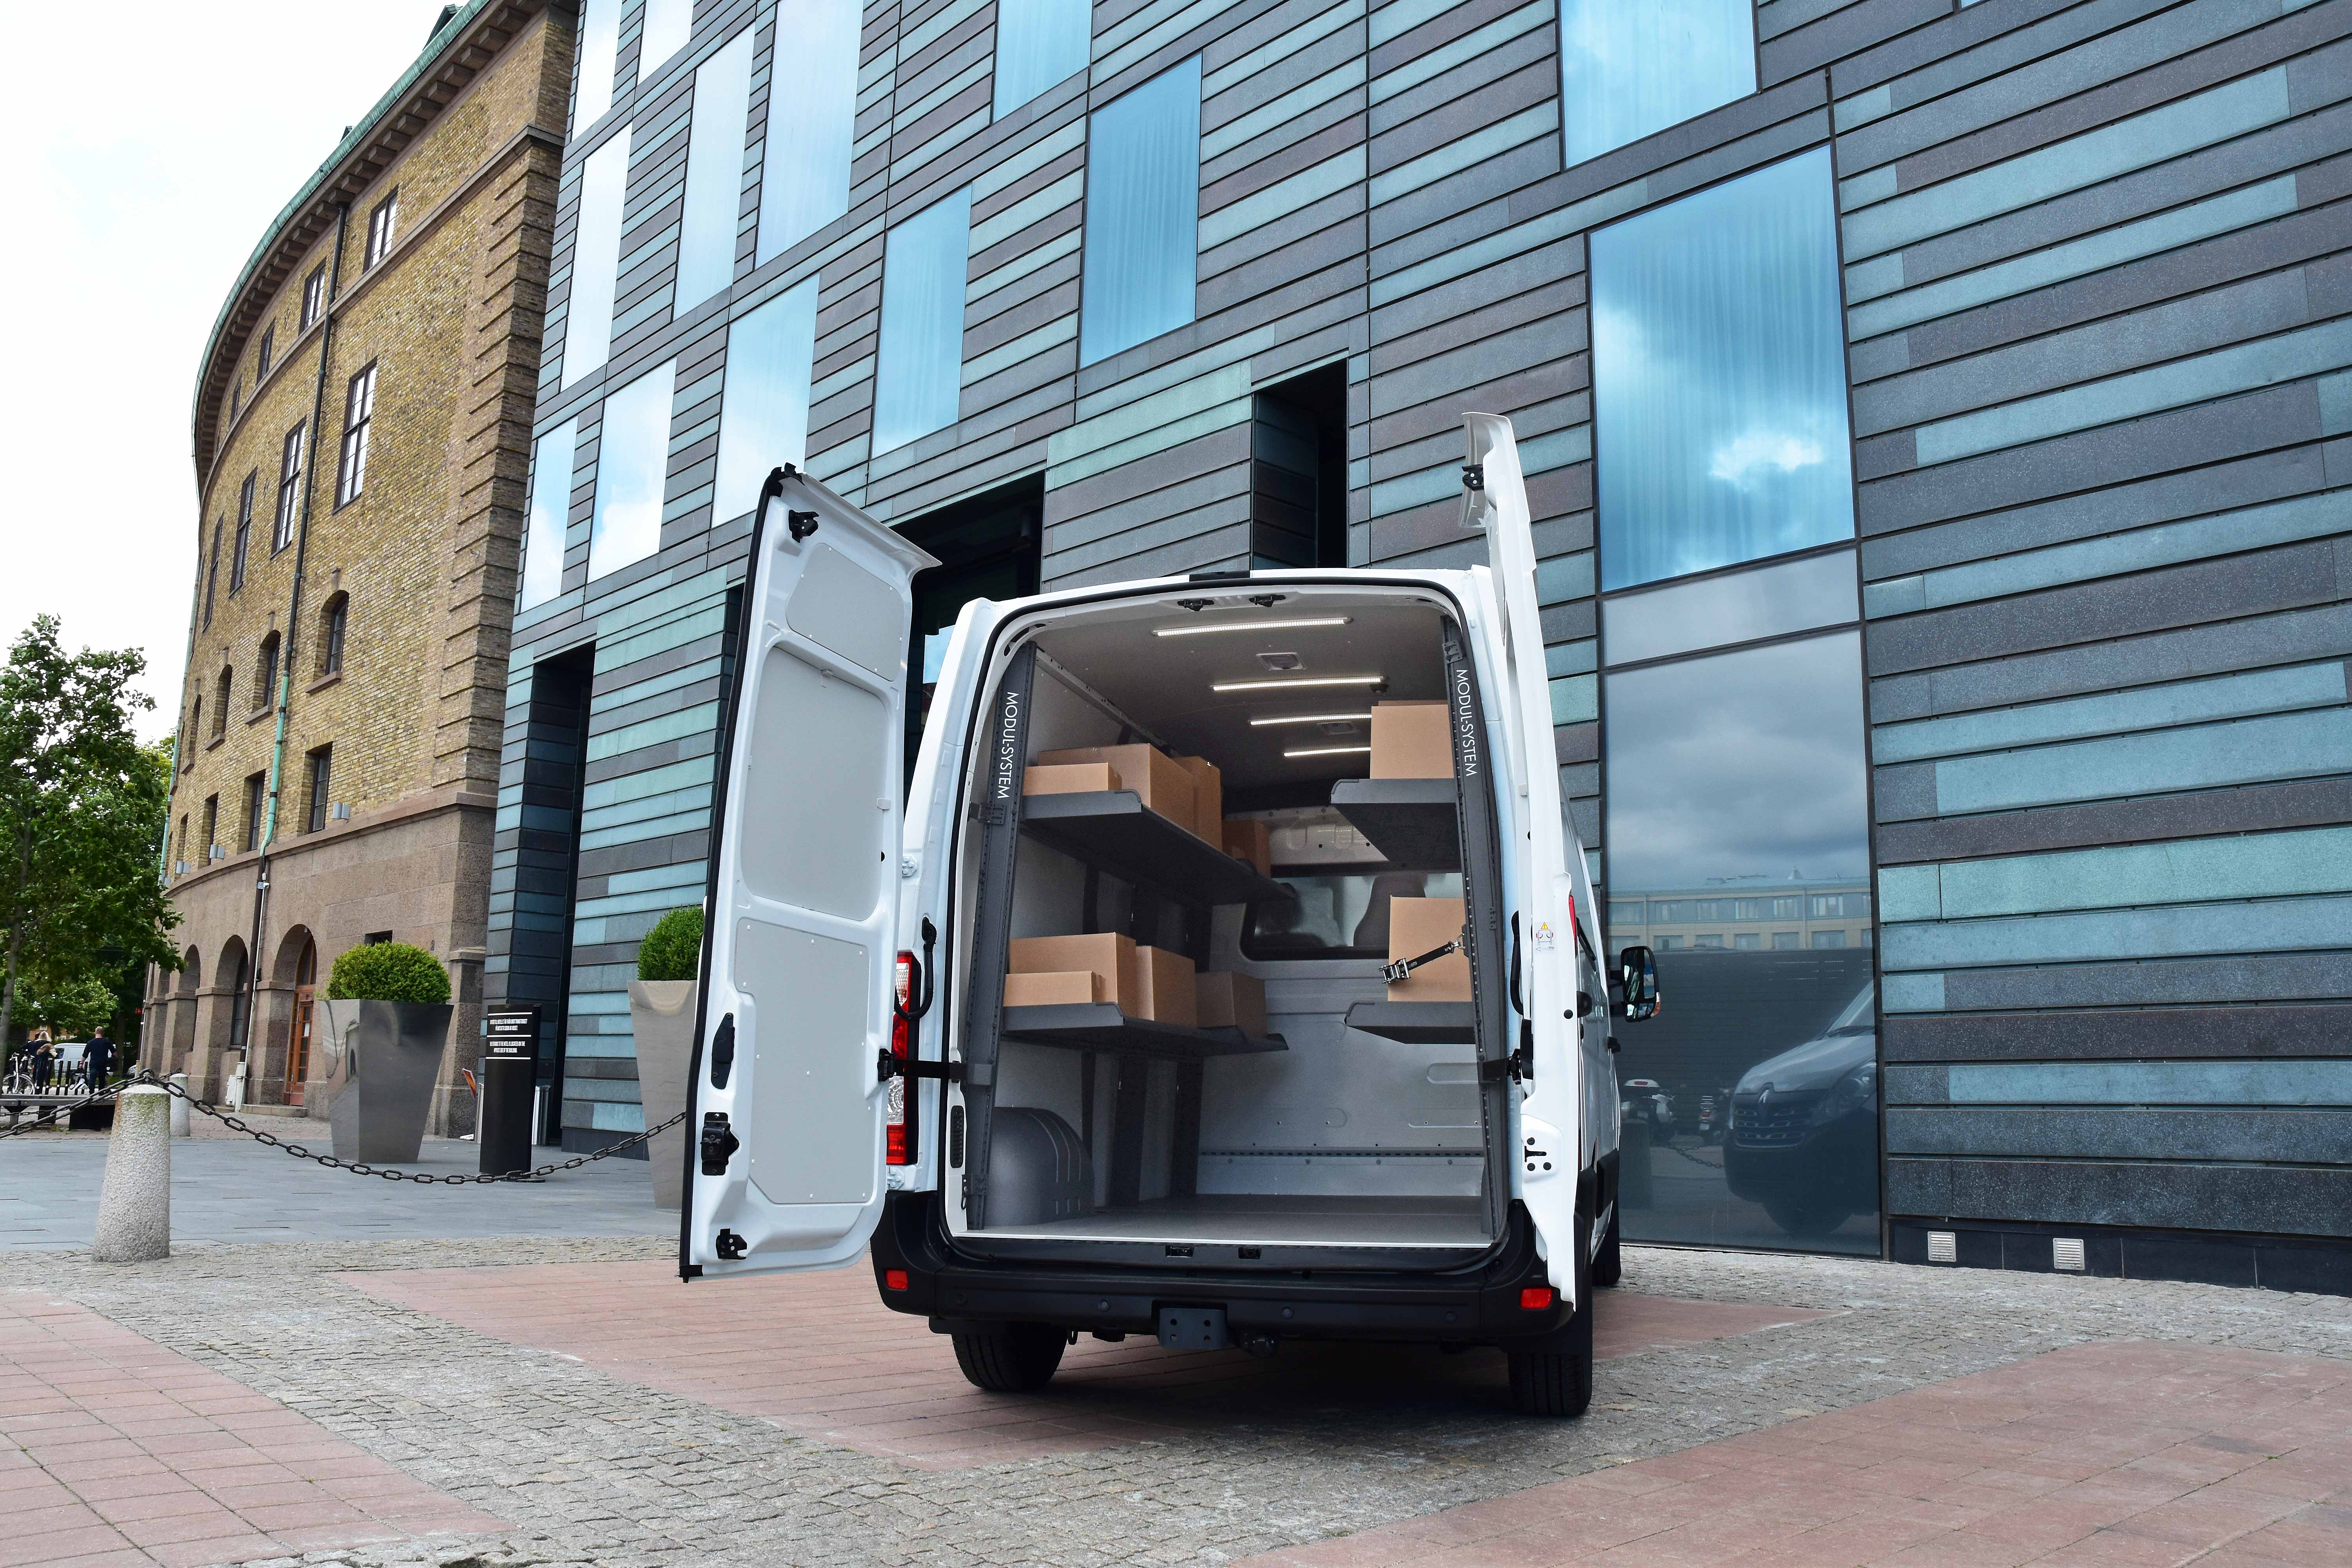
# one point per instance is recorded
(1017, 1358)
(1609, 1263)
(1557, 1383)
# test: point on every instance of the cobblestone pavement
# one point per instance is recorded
(591, 1470)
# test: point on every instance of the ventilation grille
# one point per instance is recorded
(2066, 1254)
(1943, 1247)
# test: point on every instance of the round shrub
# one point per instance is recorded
(673, 949)
(387, 971)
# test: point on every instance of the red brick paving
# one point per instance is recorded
(820, 1355)
(2112, 1454)
(115, 1450)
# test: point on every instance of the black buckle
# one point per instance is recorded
(887, 1067)
(1393, 973)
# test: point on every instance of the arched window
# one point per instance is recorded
(334, 621)
(264, 671)
(220, 701)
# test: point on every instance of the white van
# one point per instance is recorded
(1130, 1142)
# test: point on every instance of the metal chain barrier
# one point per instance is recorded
(50, 1115)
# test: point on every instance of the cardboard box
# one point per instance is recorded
(1415, 926)
(1227, 1001)
(1157, 778)
(1070, 778)
(1411, 740)
(1105, 954)
(1250, 838)
(1159, 987)
(1077, 986)
(1208, 797)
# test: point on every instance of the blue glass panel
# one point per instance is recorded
(920, 373)
(1718, 376)
(600, 34)
(1038, 43)
(1143, 213)
(668, 24)
(805, 171)
(714, 173)
(1627, 68)
(550, 511)
(632, 460)
(596, 258)
(765, 419)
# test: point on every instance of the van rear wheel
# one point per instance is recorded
(1557, 1381)
(1013, 1358)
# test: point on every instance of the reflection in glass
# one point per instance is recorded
(805, 170)
(1718, 376)
(632, 460)
(551, 513)
(1038, 43)
(1736, 795)
(667, 25)
(600, 37)
(763, 423)
(714, 173)
(1747, 606)
(596, 258)
(1338, 914)
(1143, 207)
(1627, 68)
(918, 375)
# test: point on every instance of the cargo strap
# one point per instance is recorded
(887, 1067)
(1393, 973)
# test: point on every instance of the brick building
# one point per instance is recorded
(362, 424)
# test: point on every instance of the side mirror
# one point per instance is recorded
(1637, 983)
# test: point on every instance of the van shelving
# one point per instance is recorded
(1415, 1023)
(1410, 821)
(1101, 1026)
(1114, 831)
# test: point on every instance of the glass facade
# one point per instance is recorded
(1038, 43)
(600, 42)
(595, 260)
(667, 25)
(632, 461)
(714, 173)
(1143, 213)
(763, 421)
(1629, 67)
(919, 370)
(551, 513)
(1716, 344)
(804, 168)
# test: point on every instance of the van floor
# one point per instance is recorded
(1284, 1219)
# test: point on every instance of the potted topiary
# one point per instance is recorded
(662, 1006)
(383, 1025)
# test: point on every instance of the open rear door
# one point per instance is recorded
(1543, 887)
(785, 1128)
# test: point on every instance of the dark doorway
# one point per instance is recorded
(989, 548)
(547, 855)
(1298, 472)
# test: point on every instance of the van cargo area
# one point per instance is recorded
(1198, 828)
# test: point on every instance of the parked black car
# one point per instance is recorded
(1804, 1127)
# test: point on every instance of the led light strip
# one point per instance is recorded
(1313, 719)
(1281, 626)
(1299, 683)
(1332, 752)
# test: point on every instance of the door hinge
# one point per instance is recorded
(801, 524)
(887, 1067)
(723, 1051)
(718, 1142)
(731, 1246)
(1520, 1064)
(1474, 475)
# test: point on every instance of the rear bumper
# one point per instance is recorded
(1474, 1305)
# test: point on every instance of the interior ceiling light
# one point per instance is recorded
(1299, 682)
(1285, 624)
(1332, 752)
(1312, 719)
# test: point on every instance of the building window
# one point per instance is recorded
(314, 296)
(257, 795)
(1629, 67)
(1786, 941)
(1718, 352)
(668, 25)
(1038, 43)
(222, 685)
(551, 513)
(196, 728)
(211, 825)
(212, 576)
(322, 770)
(334, 621)
(919, 370)
(1827, 939)
(714, 173)
(381, 218)
(289, 489)
(265, 353)
(264, 674)
(237, 554)
(1143, 207)
(359, 408)
(236, 401)
(764, 418)
(1747, 942)
(600, 46)
(805, 164)
(596, 258)
(182, 857)
(633, 461)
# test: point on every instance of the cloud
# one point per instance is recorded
(1748, 454)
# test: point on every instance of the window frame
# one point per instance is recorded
(359, 414)
(383, 222)
(266, 672)
(290, 454)
(265, 353)
(256, 798)
(212, 576)
(240, 551)
(334, 618)
(314, 296)
(319, 774)
(223, 688)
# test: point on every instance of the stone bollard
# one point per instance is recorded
(178, 1106)
(134, 1204)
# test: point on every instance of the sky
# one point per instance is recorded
(143, 177)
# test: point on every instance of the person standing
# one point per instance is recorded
(45, 1062)
(97, 1058)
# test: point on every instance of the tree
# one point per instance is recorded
(82, 813)
(71, 1010)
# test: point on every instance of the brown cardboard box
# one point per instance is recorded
(1070, 778)
(1159, 987)
(1054, 990)
(1250, 838)
(1411, 740)
(1231, 1001)
(1208, 797)
(1416, 925)
(1157, 778)
(1106, 954)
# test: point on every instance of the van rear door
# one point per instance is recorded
(785, 1109)
(1542, 886)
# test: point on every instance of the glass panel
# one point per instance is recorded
(764, 421)
(920, 373)
(1143, 213)
(668, 24)
(1718, 375)
(550, 510)
(714, 173)
(1747, 606)
(805, 170)
(632, 459)
(1627, 68)
(595, 260)
(600, 34)
(1038, 43)
(1736, 781)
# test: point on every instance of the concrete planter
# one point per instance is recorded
(379, 1063)
(661, 1014)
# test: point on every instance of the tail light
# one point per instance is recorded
(898, 1123)
(894, 1280)
(1535, 1297)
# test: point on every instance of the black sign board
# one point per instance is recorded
(512, 1032)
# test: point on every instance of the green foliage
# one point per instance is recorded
(388, 971)
(71, 1011)
(673, 949)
